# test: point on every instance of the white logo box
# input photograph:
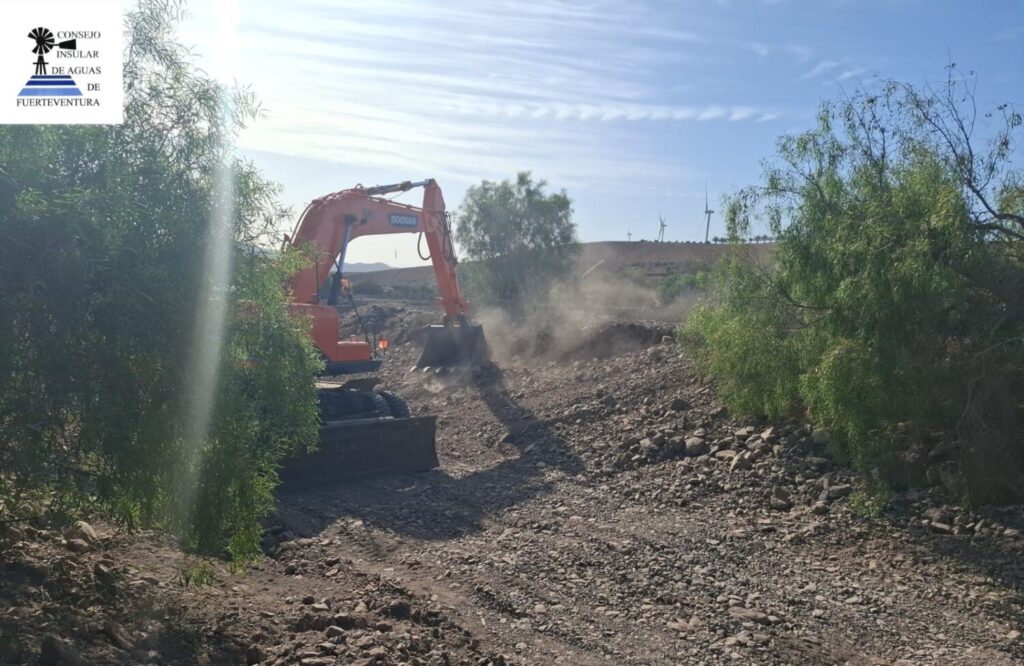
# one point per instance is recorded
(79, 81)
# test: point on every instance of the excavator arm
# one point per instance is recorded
(333, 221)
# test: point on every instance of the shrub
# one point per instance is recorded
(677, 284)
(141, 374)
(895, 298)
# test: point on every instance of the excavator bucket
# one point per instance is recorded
(454, 346)
(354, 449)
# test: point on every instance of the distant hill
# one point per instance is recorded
(357, 267)
(613, 258)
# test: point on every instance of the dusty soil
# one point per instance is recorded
(601, 509)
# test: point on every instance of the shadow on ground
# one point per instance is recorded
(435, 505)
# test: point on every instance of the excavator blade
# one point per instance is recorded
(453, 346)
(350, 449)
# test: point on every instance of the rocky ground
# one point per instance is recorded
(587, 511)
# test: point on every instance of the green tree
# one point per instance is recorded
(521, 238)
(894, 303)
(109, 283)
(674, 286)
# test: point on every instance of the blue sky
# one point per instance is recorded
(630, 106)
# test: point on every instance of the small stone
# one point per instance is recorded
(344, 620)
(308, 600)
(77, 545)
(816, 462)
(334, 631)
(679, 405)
(942, 528)
(820, 436)
(1014, 635)
(255, 654)
(119, 636)
(819, 508)
(104, 573)
(740, 462)
(839, 491)
(780, 500)
(365, 642)
(55, 652)
(817, 612)
(749, 615)
(399, 609)
(695, 446)
(82, 530)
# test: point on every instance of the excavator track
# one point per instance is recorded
(364, 433)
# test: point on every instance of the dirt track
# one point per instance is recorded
(548, 551)
(568, 525)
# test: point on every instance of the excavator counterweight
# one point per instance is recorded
(364, 430)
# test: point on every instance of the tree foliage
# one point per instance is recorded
(893, 308)
(676, 285)
(104, 233)
(521, 238)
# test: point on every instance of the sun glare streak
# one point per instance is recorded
(210, 324)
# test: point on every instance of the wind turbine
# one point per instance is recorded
(707, 213)
(661, 231)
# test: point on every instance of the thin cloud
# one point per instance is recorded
(1012, 32)
(517, 84)
(851, 73)
(819, 69)
(798, 51)
(759, 48)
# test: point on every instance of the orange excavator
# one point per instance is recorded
(365, 430)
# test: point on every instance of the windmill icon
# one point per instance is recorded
(42, 84)
(44, 44)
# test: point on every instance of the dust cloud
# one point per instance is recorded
(597, 315)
